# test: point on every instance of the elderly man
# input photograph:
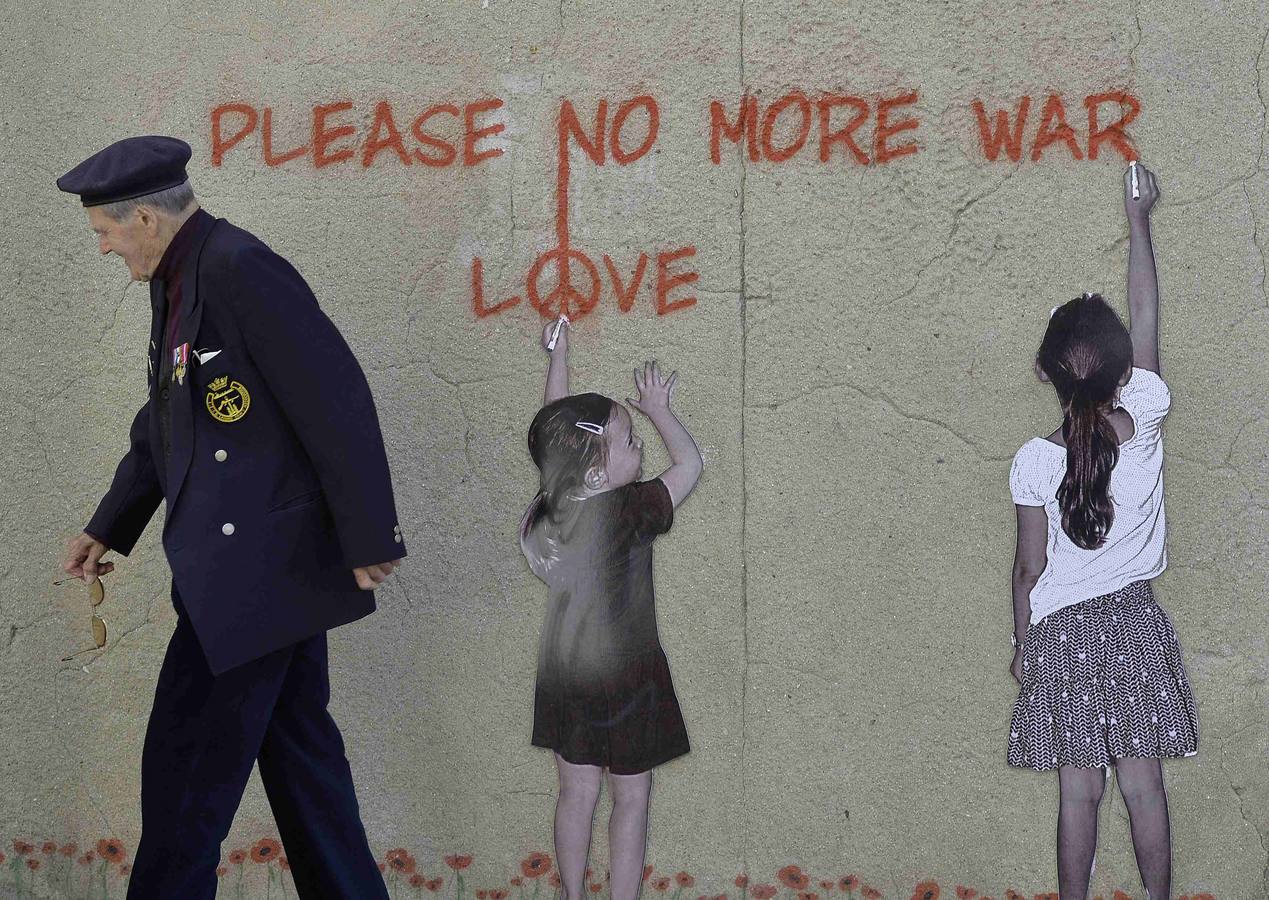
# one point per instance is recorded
(260, 433)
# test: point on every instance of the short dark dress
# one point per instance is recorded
(604, 696)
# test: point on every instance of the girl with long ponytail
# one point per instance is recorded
(1102, 682)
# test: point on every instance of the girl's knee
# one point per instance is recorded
(1081, 785)
(630, 790)
(577, 782)
(1139, 779)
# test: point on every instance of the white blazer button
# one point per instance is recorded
(397, 538)
(227, 528)
(221, 456)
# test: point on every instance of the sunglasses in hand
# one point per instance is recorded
(96, 596)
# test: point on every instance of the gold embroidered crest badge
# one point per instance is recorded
(227, 400)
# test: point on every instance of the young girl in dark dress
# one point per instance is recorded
(604, 699)
(1102, 683)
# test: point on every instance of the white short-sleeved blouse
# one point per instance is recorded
(1134, 547)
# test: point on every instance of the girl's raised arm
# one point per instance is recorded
(555, 343)
(1143, 283)
(685, 458)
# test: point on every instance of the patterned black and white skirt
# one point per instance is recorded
(1102, 680)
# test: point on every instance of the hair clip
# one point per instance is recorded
(1088, 296)
(590, 426)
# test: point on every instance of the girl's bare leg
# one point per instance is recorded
(1141, 784)
(1080, 795)
(628, 832)
(574, 816)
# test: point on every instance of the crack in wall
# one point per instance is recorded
(744, 480)
(1256, 829)
(951, 238)
(887, 401)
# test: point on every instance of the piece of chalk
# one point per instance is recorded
(555, 335)
(1136, 191)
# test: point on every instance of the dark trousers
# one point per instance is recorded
(205, 734)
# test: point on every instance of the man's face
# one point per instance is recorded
(131, 239)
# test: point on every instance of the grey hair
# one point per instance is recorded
(169, 200)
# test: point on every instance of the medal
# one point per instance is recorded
(180, 358)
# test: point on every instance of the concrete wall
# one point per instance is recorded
(856, 367)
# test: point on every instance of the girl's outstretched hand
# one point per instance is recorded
(655, 391)
(1147, 187)
(561, 343)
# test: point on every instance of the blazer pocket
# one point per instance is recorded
(298, 500)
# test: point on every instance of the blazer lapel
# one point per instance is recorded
(182, 410)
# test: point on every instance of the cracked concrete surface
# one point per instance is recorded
(833, 599)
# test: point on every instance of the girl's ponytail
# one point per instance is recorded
(1092, 449)
(563, 452)
(1085, 352)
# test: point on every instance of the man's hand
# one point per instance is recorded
(369, 577)
(83, 558)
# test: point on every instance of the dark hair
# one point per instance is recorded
(563, 452)
(1085, 352)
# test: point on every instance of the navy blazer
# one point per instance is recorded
(277, 483)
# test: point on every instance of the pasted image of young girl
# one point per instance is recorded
(1099, 665)
(1102, 682)
(604, 700)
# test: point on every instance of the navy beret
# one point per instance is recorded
(129, 168)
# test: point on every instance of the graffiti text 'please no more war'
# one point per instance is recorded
(828, 128)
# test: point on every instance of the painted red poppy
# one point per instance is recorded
(964, 893)
(926, 890)
(458, 863)
(111, 849)
(284, 864)
(870, 892)
(400, 860)
(848, 882)
(763, 891)
(684, 880)
(22, 848)
(87, 858)
(49, 848)
(794, 878)
(434, 884)
(417, 881)
(535, 864)
(647, 870)
(238, 857)
(265, 850)
(517, 881)
(69, 850)
(222, 871)
(742, 881)
(33, 864)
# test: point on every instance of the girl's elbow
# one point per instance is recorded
(1026, 576)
